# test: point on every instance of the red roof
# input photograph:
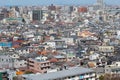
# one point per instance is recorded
(53, 60)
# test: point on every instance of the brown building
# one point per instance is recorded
(82, 9)
(52, 7)
(39, 64)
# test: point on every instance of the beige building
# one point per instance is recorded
(109, 49)
(39, 64)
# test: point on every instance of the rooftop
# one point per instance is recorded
(60, 74)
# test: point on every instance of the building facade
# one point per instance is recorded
(37, 15)
(39, 64)
(75, 73)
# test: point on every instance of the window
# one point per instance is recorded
(69, 77)
(31, 65)
(6, 60)
(20, 64)
(2, 59)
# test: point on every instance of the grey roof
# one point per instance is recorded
(59, 74)
(99, 70)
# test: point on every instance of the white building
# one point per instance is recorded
(68, 41)
(20, 64)
(75, 73)
(94, 56)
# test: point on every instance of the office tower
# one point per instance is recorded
(71, 9)
(4, 14)
(52, 7)
(37, 15)
(100, 3)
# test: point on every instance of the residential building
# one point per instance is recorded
(57, 44)
(39, 64)
(75, 73)
(106, 49)
(6, 62)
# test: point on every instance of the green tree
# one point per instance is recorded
(28, 72)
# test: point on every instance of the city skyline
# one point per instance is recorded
(56, 2)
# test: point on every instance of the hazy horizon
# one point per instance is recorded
(57, 2)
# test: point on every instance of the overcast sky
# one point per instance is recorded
(60, 2)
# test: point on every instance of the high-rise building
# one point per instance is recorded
(82, 9)
(100, 3)
(71, 9)
(52, 7)
(37, 15)
(3, 15)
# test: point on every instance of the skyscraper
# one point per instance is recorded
(37, 15)
(100, 3)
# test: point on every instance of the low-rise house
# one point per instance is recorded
(57, 44)
(15, 56)
(20, 64)
(113, 69)
(94, 56)
(23, 50)
(70, 54)
(91, 64)
(60, 58)
(6, 62)
(28, 34)
(69, 41)
(106, 49)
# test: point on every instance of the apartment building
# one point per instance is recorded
(75, 73)
(39, 64)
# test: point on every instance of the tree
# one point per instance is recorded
(15, 78)
(23, 20)
(101, 77)
(28, 72)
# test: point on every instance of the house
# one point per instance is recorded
(113, 69)
(15, 56)
(69, 41)
(106, 49)
(23, 50)
(60, 58)
(57, 44)
(94, 56)
(70, 54)
(20, 63)
(6, 62)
